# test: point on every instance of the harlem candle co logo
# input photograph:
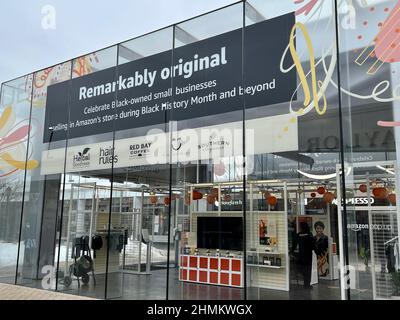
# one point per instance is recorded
(81, 159)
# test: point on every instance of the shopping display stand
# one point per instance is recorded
(260, 275)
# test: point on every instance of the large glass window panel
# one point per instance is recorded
(369, 67)
(128, 163)
(141, 174)
(37, 239)
(292, 112)
(15, 128)
(86, 241)
(206, 245)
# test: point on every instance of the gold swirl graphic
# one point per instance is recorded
(6, 115)
(13, 144)
(21, 165)
(302, 75)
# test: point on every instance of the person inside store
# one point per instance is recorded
(304, 240)
(321, 248)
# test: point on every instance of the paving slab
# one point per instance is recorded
(14, 292)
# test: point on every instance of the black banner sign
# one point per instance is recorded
(199, 79)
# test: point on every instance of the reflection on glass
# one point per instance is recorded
(211, 231)
(15, 128)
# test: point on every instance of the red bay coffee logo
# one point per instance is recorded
(139, 150)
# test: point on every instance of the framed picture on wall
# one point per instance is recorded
(321, 240)
(262, 231)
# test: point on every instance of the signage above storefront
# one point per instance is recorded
(196, 80)
(182, 146)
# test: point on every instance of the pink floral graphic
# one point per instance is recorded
(306, 9)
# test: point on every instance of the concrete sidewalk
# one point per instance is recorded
(13, 292)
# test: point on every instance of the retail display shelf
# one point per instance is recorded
(266, 212)
(264, 252)
(264, 266)
(217, 212)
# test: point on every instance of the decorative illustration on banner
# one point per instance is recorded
(306, 9)
(387, 48)
(316, 96)
(85, 65)
(315, 58)
(13, 144)
(384, 48)
(42, 79)
(375, 52)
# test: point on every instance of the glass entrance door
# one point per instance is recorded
(372, 230)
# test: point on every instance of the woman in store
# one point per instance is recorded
(321, 248)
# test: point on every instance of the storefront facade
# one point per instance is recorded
(248, 153)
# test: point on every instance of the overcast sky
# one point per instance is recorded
(82, 26)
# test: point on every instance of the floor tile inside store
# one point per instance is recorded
(153, 287)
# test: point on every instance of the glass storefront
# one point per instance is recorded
(247, 153)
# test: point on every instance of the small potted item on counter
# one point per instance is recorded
(208, 252)
(217, 253)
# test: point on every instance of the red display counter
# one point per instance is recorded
(222, 271)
